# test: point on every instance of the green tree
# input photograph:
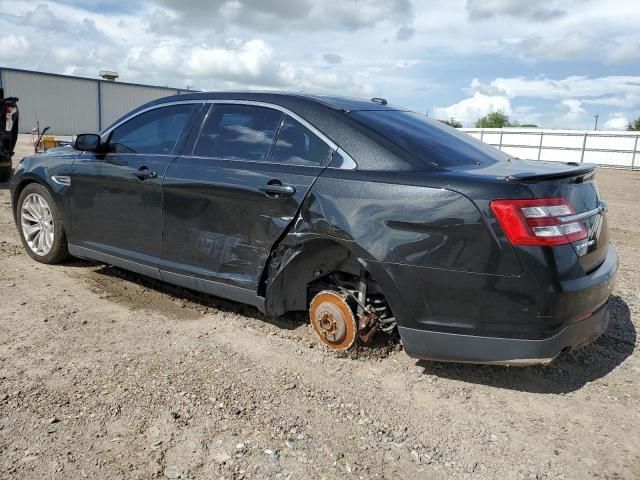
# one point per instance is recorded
(634, 126)
(500, 120)
(494, 120)
(452, 122)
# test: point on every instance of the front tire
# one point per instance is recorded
(5, 173)
(40, 225)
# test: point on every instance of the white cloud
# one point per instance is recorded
(608, 90)
(332, 58)
(237, 64)
(13, 47)
(616, 121)
(249, 60)
(41, 17)
(624, 50)
(537, 11)
(573, 96)
(470, 109)
(574, 106)
(351, 47)
(572, 44)
(405, 33)
(296, 14)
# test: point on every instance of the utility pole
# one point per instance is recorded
(596, 125)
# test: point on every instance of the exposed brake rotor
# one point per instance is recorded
(333, 320)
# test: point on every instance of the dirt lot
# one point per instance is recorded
(104, 374)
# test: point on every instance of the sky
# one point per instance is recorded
(553, 63)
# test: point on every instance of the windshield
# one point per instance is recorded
(428, 139)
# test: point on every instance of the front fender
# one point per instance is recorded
(41, 169)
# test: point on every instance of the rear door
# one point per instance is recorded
(227, 203)
(116, 197)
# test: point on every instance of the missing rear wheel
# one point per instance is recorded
(333, 320)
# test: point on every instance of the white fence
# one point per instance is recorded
(611, 148)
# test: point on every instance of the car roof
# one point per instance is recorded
(326, 113)
(343, 103)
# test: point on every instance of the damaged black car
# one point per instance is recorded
(371, 218)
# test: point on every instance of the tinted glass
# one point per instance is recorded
(239, 132)
(154, 132)
(297, 145)
(427, 139)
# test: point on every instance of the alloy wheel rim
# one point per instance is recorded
(37, 224)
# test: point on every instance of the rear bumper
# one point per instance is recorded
(451, 347)
(486, 324)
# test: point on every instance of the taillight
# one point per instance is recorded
(540, 221)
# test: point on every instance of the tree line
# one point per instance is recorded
(493, 120)
(500, 120)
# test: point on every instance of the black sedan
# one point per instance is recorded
(371, 217)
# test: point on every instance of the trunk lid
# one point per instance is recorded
(577, 184)
(591, 211)
(571, 181)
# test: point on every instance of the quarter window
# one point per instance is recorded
(154, 132)
(238, 132)
(297, 145)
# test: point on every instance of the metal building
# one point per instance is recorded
(72, 105)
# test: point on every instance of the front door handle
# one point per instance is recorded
(277, 190)
(144, 173)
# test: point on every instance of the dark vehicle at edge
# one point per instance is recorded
(8, 133)
(372, 218)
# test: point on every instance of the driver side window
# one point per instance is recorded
(154, 132)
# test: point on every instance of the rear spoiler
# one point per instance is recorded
(574, 170)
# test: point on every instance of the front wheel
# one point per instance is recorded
(40, 225)
(5, 173)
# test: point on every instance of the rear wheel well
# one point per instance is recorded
(292, 269)
(296, 274)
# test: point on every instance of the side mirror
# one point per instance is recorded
(89, 142)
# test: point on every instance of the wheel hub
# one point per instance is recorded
(36, 220)
(333, 320)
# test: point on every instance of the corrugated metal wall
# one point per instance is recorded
(119, 98)
(65, 104)
(72, 105)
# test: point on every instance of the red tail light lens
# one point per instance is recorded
(540, 221)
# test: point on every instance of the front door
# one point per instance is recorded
(228, 203)
(116, 197)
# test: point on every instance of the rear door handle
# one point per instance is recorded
(144, 173)
(278, 190)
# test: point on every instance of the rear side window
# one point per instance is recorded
(297, 145)
(238, 132)
(154, 132)
(428, 139)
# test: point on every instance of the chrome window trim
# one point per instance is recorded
(332, 145)
(349, 163)
(284, 110)
(105, 134)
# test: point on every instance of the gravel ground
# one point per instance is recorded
(104, 374)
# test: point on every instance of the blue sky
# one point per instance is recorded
(553, 63)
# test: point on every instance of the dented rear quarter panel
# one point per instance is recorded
(436, 254)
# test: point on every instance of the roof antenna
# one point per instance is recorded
(379, 101)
